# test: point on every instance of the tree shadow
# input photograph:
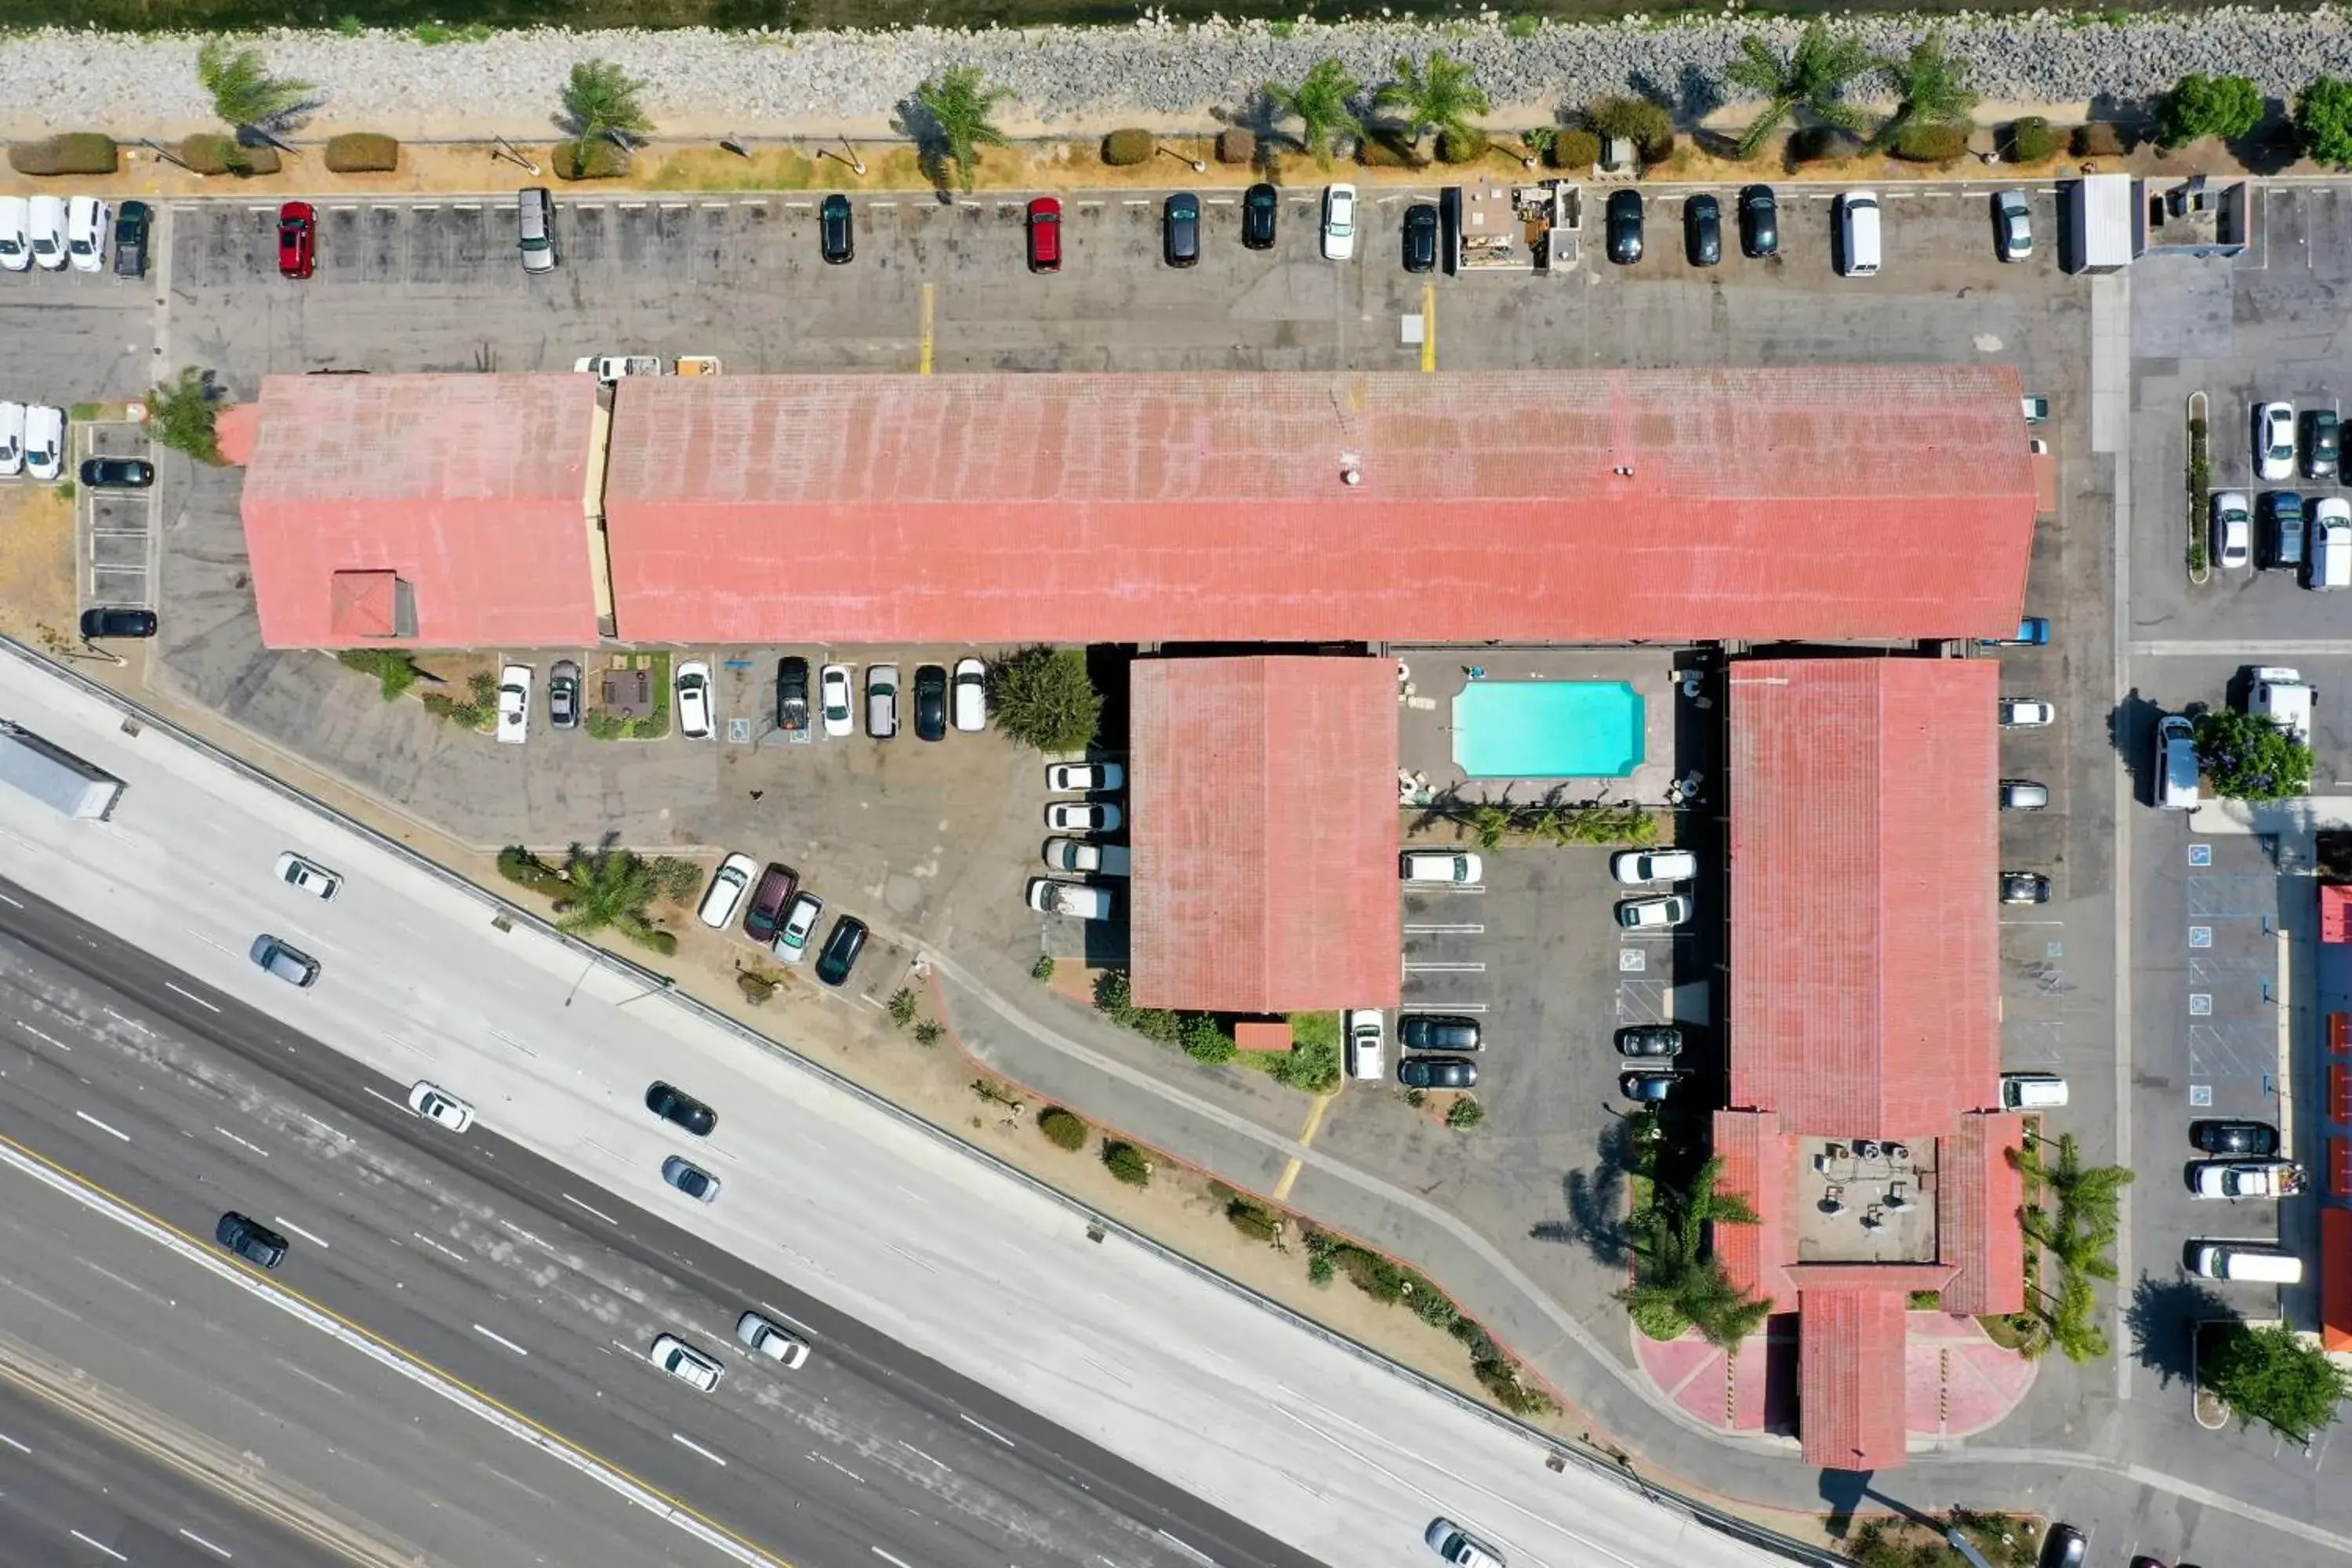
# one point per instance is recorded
(2162, 1319)
(912, 119)
(2270, 148)
(1694, 95)
(1596, 1201)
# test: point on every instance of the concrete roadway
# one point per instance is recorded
(481, 1260)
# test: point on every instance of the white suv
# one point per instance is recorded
(1367, 1043)
(1462, 868)
(1338, 223)
(87, 219)
(683, 1361)
(44, 442)
(514, 704)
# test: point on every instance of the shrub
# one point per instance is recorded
(362, 152)
(1431, 1305)
(393, 669)
(1128, 146)
(675, 877)
(1045, 698)
(1461, 147)
(208, 153)
(1127, 1163)
(2100, 138)
(1236, 145)
(1380, 149)
(525, 869)
(1464, 1113)
(1206, 1040)
(1375, 1276)
(1254, 1220)
(2201, 105)
(2323, 121)
(901, 1006)
(1932, 144)
(1573, 150)
(180, 415)
(2030, 139)
(601, 161)
(1063, 1129)
(1501, 1379)
(74, 152)
(1042, 970)
(929, 1032)
(1648, 125)
(756, 987)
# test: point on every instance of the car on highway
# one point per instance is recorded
(2024, 888)
(1703, 230)
(1080, 776)
(683, 1361)
(1044, 235)
(1437, 1072)
(297, 240)
(833, 693)
(1623, 222)
(2234, 531)
(1759, 221)
(1653, 914)
(761, 1337)
(693, 684)
(1459, 868)
(2253, 1140)
(725, 894)
(437, 1105)
(1339, 222)
(514, 704)
(2274, 440)
(44, 224)
(285, 961)
(930, 702)
(2012, 225)
(1180, 218)
(1079, 855)
(798, 925)
(44, 442)
(841, 951)
(251, 1240)
(1649, 1040)
(680, 1110)
(1649, 1086)
(86, 222)
(308, 876)
(1459, 1547)
(792, 694)
(766, 911)
(1367, 1043)
(690, 1178)
(2026, 713)
(117, 622)
(117, 473)
(1421, 230)
(1640, 867)
(1261, 206)
(882, 700)
(564, 696)
(15, 242)
(1083, 816)
(12, 439)
(836, 228)
(1437, 1032)
(967, 706)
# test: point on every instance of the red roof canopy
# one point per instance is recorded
(1828, 502)
(1851, 1376)
(1264, 833)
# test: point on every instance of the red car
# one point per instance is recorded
(297, 240)
(1045, 234)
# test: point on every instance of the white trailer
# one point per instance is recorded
(55, 776)
(2102, 234)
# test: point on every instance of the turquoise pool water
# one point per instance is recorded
(1547, 730)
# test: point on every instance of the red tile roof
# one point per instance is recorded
(1265, 834)
(364, 604)
(2335, 912)
(471, 488)
(1977, 1195)
(1572, 504)
(1758, 1166)
(1864, 920)
(2335, 1279)
(1851, 1376)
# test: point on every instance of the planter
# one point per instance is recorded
(2211, 1411)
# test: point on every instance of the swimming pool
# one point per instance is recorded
(1549, 730)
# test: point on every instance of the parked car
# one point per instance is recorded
(2252, 1139)
(535, 228)
(1458, 866)
(1638, 867)
(1625, 225)
(1077, 854)
(2283, 528)
(1420, 232)
(1437, 1072)
(1649, 1040)
(836, 228)
(882, 700)
(841, 951)
(1703, 230)
(2026, 713)
(45, 226)
(2328, 545)
(1437, 1032)
(833, 689)
(2024, 794)
(15, 238)
(1653, 914)
(798, 925)
(44, 442)
(1338, 223)
(690, 1178)
(1647, 1087)
(766, 909)
(2012, 225)
(117, 622)
(680, 1110)
(438, 1106)
(2322, 445)
(1083, 816)
(87, 219)
(1045, 234)
(2063, 1547)
(930, 702)
(725, 894)
(2033, 631)
(1759, 221)
(763, 1338)
(2024, 888)
(2234, 531)
(683, 1361)
(1181, 229)
(285, 961)
(792, 694)
(251, 1240)
(1261, 204)
(968, 706)
(297, 240)
(2235, 1179)
(2274, 440)
(693, 683)
(2035, 408)
(12, 439)
(1367, 1044)
(1075, 901)
(308, 876)
(514, 704)
(1065, 776)
(1459, 1547)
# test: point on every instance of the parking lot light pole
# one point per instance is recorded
(1198, 166)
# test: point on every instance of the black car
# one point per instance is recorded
(841, 951)
(130, 240)
(1648, 1088)
(1624, 226)
(1181, 217)
(930, 702)
(1759, 221)
(117, 473)
(1437, 1072)
(1421, 237)
(2249, 1140)
(250, 1239)
(1261, 203)
(683, 1110)
(2322, 443)
(836, 232)
(563, 695)
(1703, 230)
(1649, 1040)
(118, 624)
(1437, 1032)
(2063, 1547)
(792, 694)
(2283, 526)
(2024, 888)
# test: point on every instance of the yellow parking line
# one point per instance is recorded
(1429, 326)
(931, 295)
(1306, 1135)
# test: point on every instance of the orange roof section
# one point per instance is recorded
(1829, 502)
(1851, 1378)
(472, 490)
(1264, 833)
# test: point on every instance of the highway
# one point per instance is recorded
(1338, 1456)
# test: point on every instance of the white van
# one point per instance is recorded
(2328, 563)
(2280, 696)
(1858, 233)
(2032, 1092)
(535, 228)
(2177, 769)
(2248, 1262)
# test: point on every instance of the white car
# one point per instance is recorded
(2233, 529)
(799, 924)
(15, 243)
(1462, 868)
(1075, 900)
(1338, 223)
(1367, 1043)
(2245, 1179)
(833, 689)
(1459, 1547)
(683, 1361)
(1077, 854)
(1653, 914)
(44, 442)
(2274, 440)
(967, 698)
(87, 221)
(2027, 713)
(439, 1105)
(514, 704)
(1639, 868)
(45, 224)
(308, 876)
(1084, 775)
(727, 885)
(694, 700)
(12, 439)
(1082, 816)
(764, 1338)
(882, 700)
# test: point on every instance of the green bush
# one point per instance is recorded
(660, 942)
(602, 161)
(1431, 1305)
(1042, 970)
(929, 1032)
(1127, 1163)
(1045, 698)
(1128, 146)
(1464, 1113)
(2323, 121)
(525, 869)
(1382, 150)
(1461, 147)
(604, 726)
(1254, 1220)
(1310, 1067)
(1206, 1040)
(675, 877)
(901, 1006)
(1573, 150)
(2199, 106)
(393, 670)
(74, 152)
(1236, 145)
(755, 986)
(1063, 1129)
(1319, 1269)
(362, 152)
(1932, 145)
(2030, 139)
(2100, 138)
(207, 153)
(180, 415)
(1375, 1276)
(1650, 126)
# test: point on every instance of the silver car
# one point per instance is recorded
(761, 1337)
(2014, 223)
(535, 228)
(882, 700)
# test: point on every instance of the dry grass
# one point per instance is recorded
(38, 593)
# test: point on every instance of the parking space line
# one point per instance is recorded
(1455, 929)
(1413, 968)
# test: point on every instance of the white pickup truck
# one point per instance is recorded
(2245, 1179)
(613, 367)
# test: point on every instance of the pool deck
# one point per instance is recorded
(1426, 719)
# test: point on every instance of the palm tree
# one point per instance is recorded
(1674, 1276)
(1321, 103)
(960, 104)
(1933, 86)
(601, 100)
(1439, 95)
(608, 888)
(243, 92)
(1813, 79)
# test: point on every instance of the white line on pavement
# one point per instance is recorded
(208, 941)
(38, 1036)
(110, 1013)
(385, 1097)
(444, 1251)
(990, 1430)
(844, 1470)
(1458, 929)
(1186, 1548)
(600, 1213)
(698, 1448)
(4, 899)
(315, 1241)
(920, 1455)
(103, 1546)
(234, 1138)
(190, 996)
(22, 1450)
(1413, 968)
(500, 1338)
(886, 1557)
(207, 1545)
(101, 1126)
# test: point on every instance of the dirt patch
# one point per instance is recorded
(39, 597)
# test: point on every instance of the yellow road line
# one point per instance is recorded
(930, 297)
(1306, 1135)
(1429, 326)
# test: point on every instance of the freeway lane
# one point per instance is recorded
(519, 1289)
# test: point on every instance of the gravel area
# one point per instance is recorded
(778, 82)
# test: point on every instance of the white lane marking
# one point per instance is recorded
(436, 1247)
(315, 1241)
(920, 1455)
(120, 1019)
(234, 1138)
(912, 1194)
(396, 1105)
(207, 941)
(844, 1470)
(101, 1126)
(1188, 1550)
(14, 1443)
(910, 1257)
(330, 1132)
(886, 1557)
(396, 1040)
(1412, 968)
(1457, 929)
(190, 996)
(527, 1235)
(4, 899)
(500, 1338)
(698, 1448)
(103, 1546)
(600, 1213)
(518, 1045)
(206, 1545)
(990, 1430)
(36, 1034)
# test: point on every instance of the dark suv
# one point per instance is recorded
(1261, 204)
(836, 230)
(1759, 221)
(792, 694)
(1437, 1032)
(930, 702)
(1183, 219)
(1420, 226)
(1703, 230)
(682, 1110)
(1625, 225)
(2322, 443)
(2283, 526)
(250, 1239)
(841, 951)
